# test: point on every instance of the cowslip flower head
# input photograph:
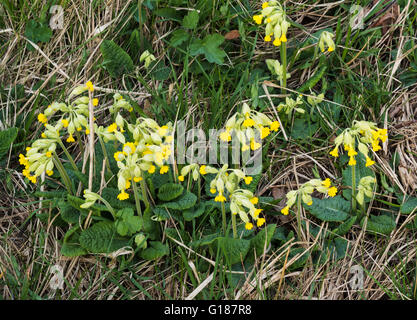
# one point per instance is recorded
(326, 40)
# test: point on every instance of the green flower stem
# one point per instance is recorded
(284, 65)
(354, 189)
(199, 188)
(299, 217)
(108, 206)
(144, 194)
(71, 160)
(137, 200)
(63, 173)
(80, 143)
(224, 219)
(103, 147)
(234, 226)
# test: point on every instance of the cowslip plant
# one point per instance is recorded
(362, 136)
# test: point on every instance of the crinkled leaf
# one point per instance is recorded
(194, 212)
(102, 237)
(186, 201)
(6, 139)
(379, 224)
(234, 249)
(116, 61)
(170, 191)
(329, 209)
(71, 245)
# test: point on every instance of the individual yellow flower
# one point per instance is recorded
(127, 184)
(260, 222)
(225, 136)
(48, 154)
(212, 190)
(309, 203)
(137, 179)
(248, 226)
(79, 128)
(249, 122)
(220, 198)
(49, 172)
(254, 145)
(332, 191)
(164, 169)
(70, 138)
(203, 170)
(111, 128)
(43, 135)
(119, 156)
(327, 183)
(42, 118)
(95, 102)
(151, 169)
(335, 152)
(283, 38)
(123, 195)
(258, 18)
(89, 86)
(248, 180)
(369, 162)
(65, 122)
(181, 178)
(352, 161)
(276, 42)
(129, 148)
(254, 200)
(264, 132)
(267, 38)
(274, 126)
(265, 5)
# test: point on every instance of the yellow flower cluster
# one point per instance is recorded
(150, 149)
(362, 133)
(196, 170)
(305, 191)
(38, 157)
(229, 180)
(326, 38)
(244, 124)
(120, 103)
(276, 26)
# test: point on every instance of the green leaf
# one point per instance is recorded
(209, 46)
(337, 248)
(102, 237)
(68, 213)
(159, 71)
(301, 260)
(71, 246)
(234, 250)
(311, 82)
(37, 32)
(168, 13)
(155, 251)
(344, 227)
(194, 212)
(178, 37)
(409, 206)
(190, 21)
(170, 191)
(329, 209)
(127, 223)
(303, 129)
(379, 224)
(263, 239)
(6, 139)
(186, 201)
(116, 60)
(205, 241)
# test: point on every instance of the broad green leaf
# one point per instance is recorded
(329, 209)
(303, 129)
(178, 37)
(234, 250)
(71, 245)
(168, 13)
(205, 241)
(263, 239)
(409, 206)
(161, 212)
(155, 251)
(6, 139)
(379, 224)
(116, 61)
(209, 46)
(336, 248)
(194, 212)
(159, 71)
(170, 191)
(102, 237)
(68, 213)
(190, 21)
(186, 201)
(37, 32)
(344, 227)
(127, 223)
